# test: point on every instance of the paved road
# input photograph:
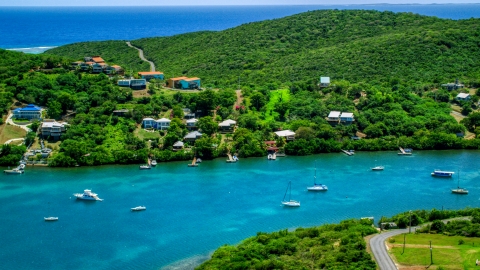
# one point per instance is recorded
(379, 249)
(140, 53)
(10, 121)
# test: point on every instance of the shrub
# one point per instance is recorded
(461, 242)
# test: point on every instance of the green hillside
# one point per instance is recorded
(112, 51)
(356, 45)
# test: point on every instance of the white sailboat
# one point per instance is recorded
(377, 168)
(290, 202)
(317, 187)
(459, 190)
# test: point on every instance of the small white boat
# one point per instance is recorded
(290, 202)
(378, 168)
(349, 152)
(138, 208)
(460, 190)
(145, 167)
(272, 156)
(13, 171)
(439, 173)
(87, 195)
(199, 160)
(317, 187)
(50, 218)
(153, 163)
(404, 152)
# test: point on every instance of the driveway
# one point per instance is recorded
(10, 121)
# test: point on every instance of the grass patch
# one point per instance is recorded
(143, 134)
(445, 249)
(275, 97)
(11, 132)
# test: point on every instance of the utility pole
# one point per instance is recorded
(410, 227)
(404, 235)
(431, 254)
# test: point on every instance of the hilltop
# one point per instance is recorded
(356, 45)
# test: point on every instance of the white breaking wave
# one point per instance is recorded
(33, 50)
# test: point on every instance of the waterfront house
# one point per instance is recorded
(53, 129)
(190, 83)
(463, 97)
(191, 124)
(227, 126)
(287, 134)
(148, 75)
(178, 146)
(192, 136)
(148, 122)
(175, 82)
(347, 117)
(28, 112)
(324, 81)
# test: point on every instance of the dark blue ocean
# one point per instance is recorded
(34, 29)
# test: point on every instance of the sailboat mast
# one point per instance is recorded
(286, 191)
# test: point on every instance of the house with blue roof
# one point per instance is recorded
(29, 112)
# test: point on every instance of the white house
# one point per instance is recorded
(163, 123)
(324, 81)
(334, 116)
(191, 123)
(51, 128)
(287, 134)
(463, 96)
(346, 117)
(192, 136)
(227, 125)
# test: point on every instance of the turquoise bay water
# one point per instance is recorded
(192, 211)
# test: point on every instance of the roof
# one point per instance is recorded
(284, 133)
(148, 119)
(346, 114)
(324, 79)
(163, 120)
(463, 95)
(191, 79)
(52, 124)
(334, 114)
(97, 59)
(178, 78)
(178, 144)
(192, 135)
(193, 120)
(30, 107)
(122, 110)
(228, 122)
(150, 73)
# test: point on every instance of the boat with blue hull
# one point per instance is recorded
(439, 173)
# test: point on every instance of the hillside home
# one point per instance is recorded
(175, 82)
(192, 136)
(190, 83)
(148, 122)
(76, 65)
(191, 124)
(178, 146)
(287, 134)
(96, 59)
(53, 129)
(463, 97)
(98, 67)
(346, 117)
(161, 124)
(86, 66)
(115, 69)
(28, 112)
(138, 84)
(151, 75)
(334, 116)
(324, 81)
(227, 126)
(124, 83)
(187, 113)
(121, 112)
